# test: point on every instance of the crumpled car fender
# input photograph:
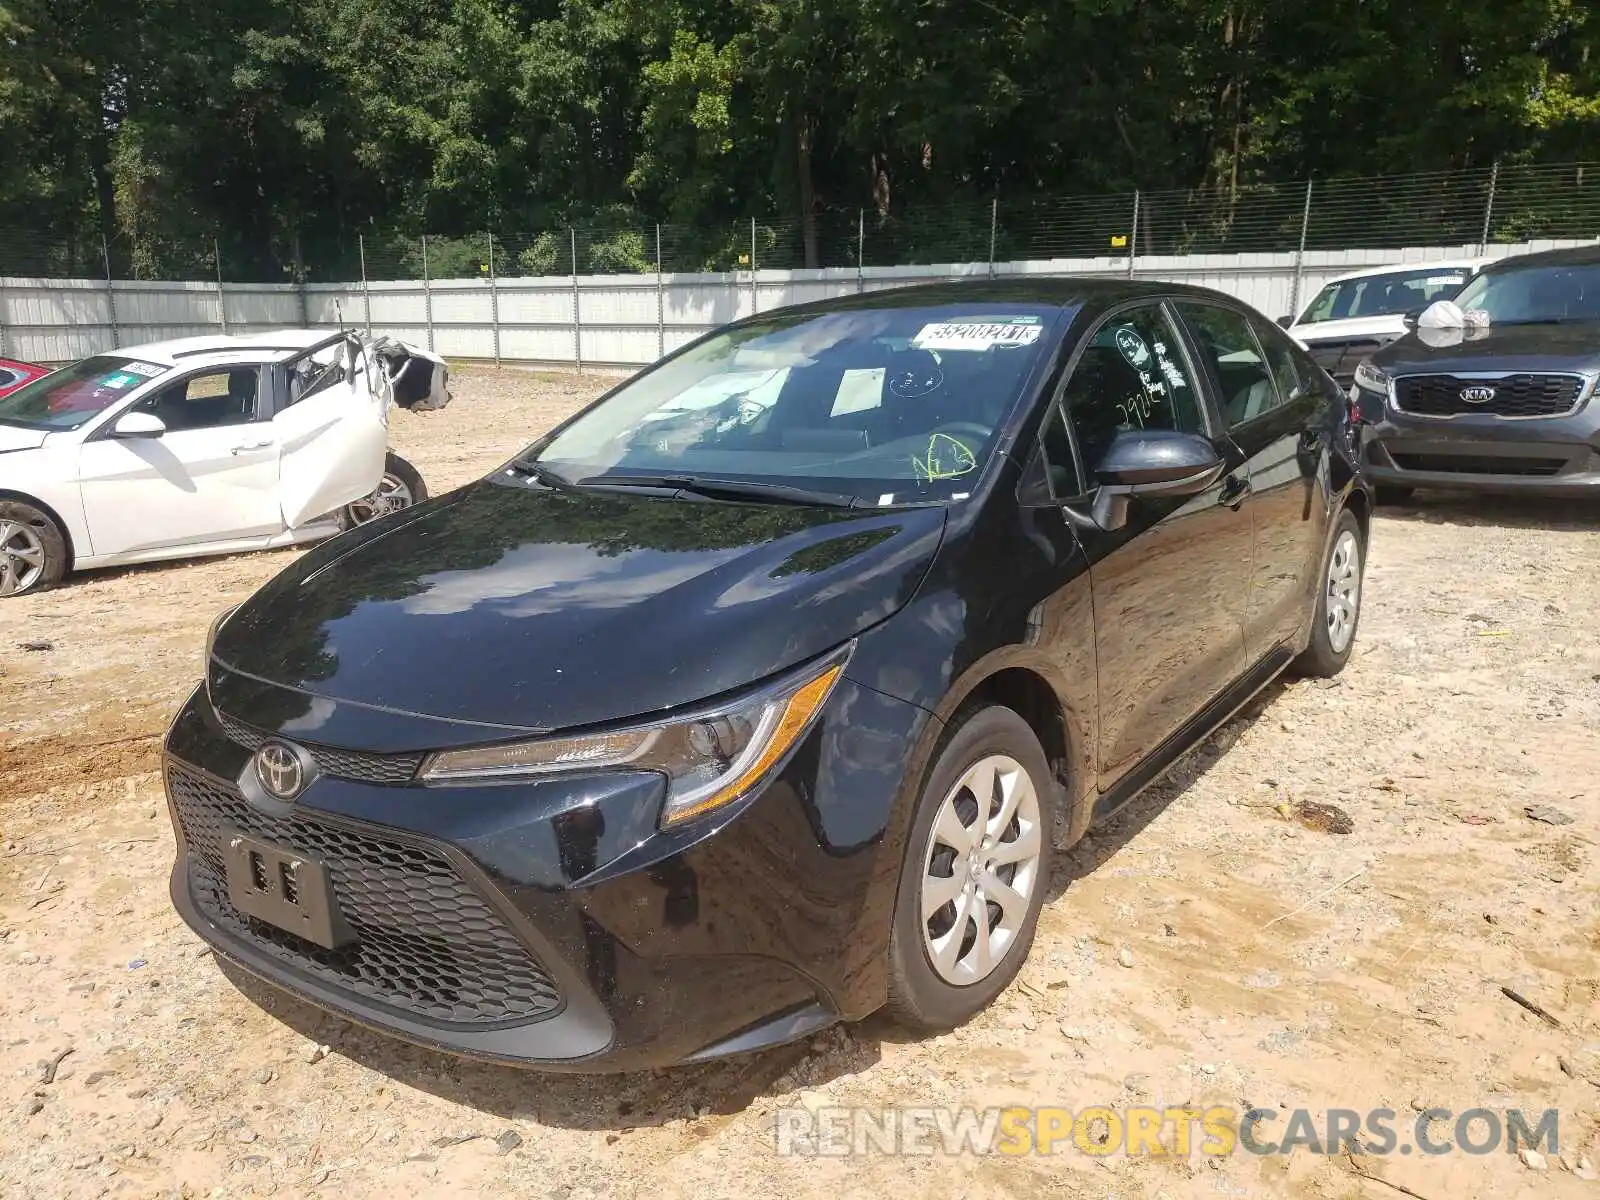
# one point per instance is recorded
(419, 378)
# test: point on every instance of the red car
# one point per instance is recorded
(15, 374)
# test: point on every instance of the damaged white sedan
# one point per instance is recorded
(207, 445)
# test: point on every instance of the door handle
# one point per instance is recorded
(248, 446)
(1234, 492)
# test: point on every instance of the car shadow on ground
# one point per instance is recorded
(1511, 512)
(1106, 839)
(613, 1102)
(620, 1102)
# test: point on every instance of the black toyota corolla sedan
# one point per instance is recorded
(759, 694)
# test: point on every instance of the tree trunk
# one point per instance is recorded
(804, 129)
(105, 192)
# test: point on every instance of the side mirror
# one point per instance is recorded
(1151, 462)
(1410, 319)
(1286, 322)
(138, 425)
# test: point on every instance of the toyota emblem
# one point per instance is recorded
(1477, 395)
(281, 770)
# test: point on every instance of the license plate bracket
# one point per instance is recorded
(286, 889)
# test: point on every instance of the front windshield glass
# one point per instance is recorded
(1535, 295)
(894, 405)
(74, 395)
(1384, 295)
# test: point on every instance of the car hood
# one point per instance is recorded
(13, 438)
(513, 605)
(1352, 329)
(1566, 347)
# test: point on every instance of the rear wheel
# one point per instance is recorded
(1338, 609)
(33, 551)
(977, 861)
(400, 487)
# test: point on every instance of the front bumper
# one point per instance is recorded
(1551, 456)
(550, 924)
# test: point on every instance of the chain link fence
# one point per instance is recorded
(1484, 207)
(522, 295)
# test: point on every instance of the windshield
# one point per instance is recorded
(1384, 295)
(893, 405)
(1535, 295)
(68, 398)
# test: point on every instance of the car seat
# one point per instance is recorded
(241, 406)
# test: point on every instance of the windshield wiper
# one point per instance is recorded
(539, 473)
(734, 488)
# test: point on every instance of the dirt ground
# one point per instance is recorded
(1206, 949)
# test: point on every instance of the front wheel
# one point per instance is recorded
(977, 861)
(33, 551)
(1338, 607)
(400, 487)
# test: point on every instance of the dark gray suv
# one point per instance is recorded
(1505, 403)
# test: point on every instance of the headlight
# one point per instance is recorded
(216, 627)
(1374, 379)
(710, 758)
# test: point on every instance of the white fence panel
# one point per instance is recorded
(597, 320)
(260, 307)
(330, 305)
(54, 320)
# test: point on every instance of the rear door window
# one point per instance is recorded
(1246, 386)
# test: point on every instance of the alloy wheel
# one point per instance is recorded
(21, 558)
(1344, 591)
(391, 495)
(980, 869)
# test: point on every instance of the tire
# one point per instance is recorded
(922, 993)
(1333, 640)
(33, 550)
(1389, 493)
(400, 487)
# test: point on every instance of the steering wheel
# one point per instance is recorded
(981, 432)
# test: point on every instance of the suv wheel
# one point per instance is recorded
(977, 861)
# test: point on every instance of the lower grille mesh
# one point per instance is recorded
(426, 943)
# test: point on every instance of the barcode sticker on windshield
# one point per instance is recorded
(975, 336)
(148, 370)
(1441, 280)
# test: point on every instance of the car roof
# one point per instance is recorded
(256, 347)
(1432, 264)
(1051, 291)
(1576, 256)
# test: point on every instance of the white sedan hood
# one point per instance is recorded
(1350, 330)
(13, 438)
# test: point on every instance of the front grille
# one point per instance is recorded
(345, 764)
(1479, 464)
(1340, 359)
(1524, 395)
(426, 942)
